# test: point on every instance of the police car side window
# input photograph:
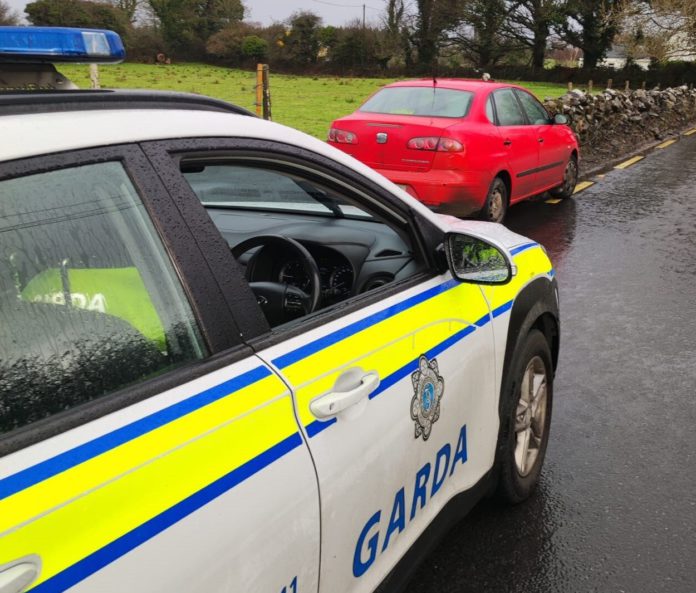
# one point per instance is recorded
(354, 248)
(89, 302)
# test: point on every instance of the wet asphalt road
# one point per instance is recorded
(616, 507)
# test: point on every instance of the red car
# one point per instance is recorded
(462, 147)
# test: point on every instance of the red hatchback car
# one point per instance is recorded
(462, 147)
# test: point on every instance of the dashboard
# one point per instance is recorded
(336, 273)
(353, 255)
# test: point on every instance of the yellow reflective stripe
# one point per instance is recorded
(530, 263)
(55, 491)
(76, 530)
(388, 345)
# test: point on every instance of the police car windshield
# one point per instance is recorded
(236, 186)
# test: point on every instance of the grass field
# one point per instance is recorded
(303, 102)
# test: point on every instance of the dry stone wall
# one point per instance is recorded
(613, 123)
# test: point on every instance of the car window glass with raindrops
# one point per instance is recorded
(304, 242)
(508, 109)
(89, 302)
(536, 114)
(422, 101)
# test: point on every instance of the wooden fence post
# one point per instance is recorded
(610, 82)
(266, 94)
(628, 86)
(94, 76)
(263, 92)
(259, 90)
(589, 86)
(570, 86)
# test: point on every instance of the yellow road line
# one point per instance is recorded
(690, 132)
(666, 143)
(553, 201)
(583, 185)
(629, 162)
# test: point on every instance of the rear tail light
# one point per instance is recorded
(435, 143)
(342, 137)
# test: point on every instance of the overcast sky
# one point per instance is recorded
(334, 12)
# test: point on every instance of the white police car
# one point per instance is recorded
(234, 359)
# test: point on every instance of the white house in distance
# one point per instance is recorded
(617, 57)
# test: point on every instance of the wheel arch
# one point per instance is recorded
(507, 180)
(536, 307)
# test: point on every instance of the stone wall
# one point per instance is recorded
(614, 123)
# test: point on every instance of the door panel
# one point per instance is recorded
(520, 143)
(163, 471)
(552, 156)
(387, 464)
(109, 492)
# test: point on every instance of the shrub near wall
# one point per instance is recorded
(613, 123)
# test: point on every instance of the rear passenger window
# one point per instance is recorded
(89, 301)
(535, 111)
(508, 109)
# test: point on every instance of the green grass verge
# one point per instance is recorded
(307, 103)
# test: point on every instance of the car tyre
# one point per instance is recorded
(525, 419)
(495, 206)
(570, 180)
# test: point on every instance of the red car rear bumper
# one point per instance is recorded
(460, 193)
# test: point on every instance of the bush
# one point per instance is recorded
(144, 43)
(254, 47)
(78, 13)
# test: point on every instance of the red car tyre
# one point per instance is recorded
(570, 180)
(496, 204)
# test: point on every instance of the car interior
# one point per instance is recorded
(81, 310)
(303, 244)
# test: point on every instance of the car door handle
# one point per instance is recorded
(507, 142)
(335, 402)
(540, 140)
(18, 577)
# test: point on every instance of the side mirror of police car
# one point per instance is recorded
(473, 260)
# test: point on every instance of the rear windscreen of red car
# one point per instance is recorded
(421, 101)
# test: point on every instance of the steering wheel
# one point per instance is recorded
(279, 301)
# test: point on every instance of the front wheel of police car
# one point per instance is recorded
(525, 419)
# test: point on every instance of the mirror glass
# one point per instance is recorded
(474, 260)
(561, 119)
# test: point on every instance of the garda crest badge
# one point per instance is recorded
(428, 388)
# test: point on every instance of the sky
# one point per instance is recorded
(333, 12)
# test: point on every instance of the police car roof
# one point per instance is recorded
(15, 102)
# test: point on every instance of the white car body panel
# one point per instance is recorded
(300, 519)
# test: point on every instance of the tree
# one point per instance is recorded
(187, 24)
(7, 16)
(661, 29)
(357, 47)
(78, 13)
(592, 25)
(530, 23)
(302, 43)
(432, 21)
(396, 31)
(254, 47)
(479, 34)
(129, 7)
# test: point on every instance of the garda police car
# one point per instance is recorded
(232, 358)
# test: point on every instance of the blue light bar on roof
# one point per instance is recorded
(59, 44)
